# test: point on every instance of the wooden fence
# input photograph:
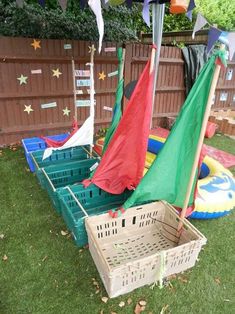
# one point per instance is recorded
(48, 95)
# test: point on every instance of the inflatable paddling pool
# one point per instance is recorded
(215, 188)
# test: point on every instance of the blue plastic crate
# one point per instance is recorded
(94, 201)
(33, 144)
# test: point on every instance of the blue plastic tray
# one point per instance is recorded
(33, 144)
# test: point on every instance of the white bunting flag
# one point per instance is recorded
(200, 23)
(20, 3)
(63, 4)
(231, 44)
(95, 6)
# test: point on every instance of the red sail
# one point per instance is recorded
(122, 165)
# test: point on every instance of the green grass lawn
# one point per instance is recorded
(44, 272)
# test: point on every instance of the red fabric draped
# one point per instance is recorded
(54, 143)
(122, 165)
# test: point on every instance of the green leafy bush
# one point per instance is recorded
(220, 12)
(34, 21)
(121, 23)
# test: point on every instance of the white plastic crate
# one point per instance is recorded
(141, 246)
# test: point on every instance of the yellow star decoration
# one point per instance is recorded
(28, 109)
(56, 73)
(22, 79)
(66, 112)
(102, 76)
(36, 44)
(91, 48)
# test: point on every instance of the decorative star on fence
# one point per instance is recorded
(102, 76)
(91, 48)
(56, 73)
(36, 44)
(66, 112)
(22, 79)
(28, 109)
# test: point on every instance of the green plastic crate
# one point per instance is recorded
(58, 176)
(59, 157)
(93, 200)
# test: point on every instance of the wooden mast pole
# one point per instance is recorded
(92, 91)
(199, 147)
(74, 91)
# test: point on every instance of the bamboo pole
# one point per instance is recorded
(199, 147)
(121, 74)
(92, 91)
(123, 64)
(158, 12)
(152, 60)
(74, 91)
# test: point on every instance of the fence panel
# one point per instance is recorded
(48, 95)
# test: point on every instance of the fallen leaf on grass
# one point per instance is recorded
(226, 300)
(129, 301)
(171, 287)
(217, 280)
(104, 299)
(102, 312)
(97, 291)
(113, 313)
(44, 258)
(139, 309)
(2, 236)
(163, 310)
(183, 279)
(171, 277)
(5, 258)
(142, 302)
(121, 304)
(64, 233)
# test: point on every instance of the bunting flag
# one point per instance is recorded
(117, 112)
(20, 3)
(123, 162)
(231, 44)
(224, 38)
(42, 3)
(95, 6)
(63, 4)
(83, 4)
(213, 36)
(145, 12)
(191, 6)
(129, 3)
(200, 23)
(169, 175)
(83, 136)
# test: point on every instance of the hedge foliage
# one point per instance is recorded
(121, 23)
